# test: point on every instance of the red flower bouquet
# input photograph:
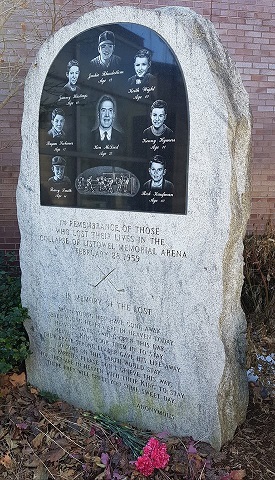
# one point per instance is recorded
(154, 456)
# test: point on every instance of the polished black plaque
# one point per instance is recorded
(114, 125)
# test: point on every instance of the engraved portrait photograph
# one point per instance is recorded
(120, 121)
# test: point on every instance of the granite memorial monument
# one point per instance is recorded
(133, 199)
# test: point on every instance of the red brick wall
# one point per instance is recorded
(247, 30)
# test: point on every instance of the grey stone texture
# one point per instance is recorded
(158, 342)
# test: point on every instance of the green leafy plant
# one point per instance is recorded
(128, 434)
(14, 343)
(48, 396)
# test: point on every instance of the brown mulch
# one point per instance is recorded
(43, 441)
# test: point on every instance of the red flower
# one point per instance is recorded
(160, 457)
(151, 445)
(144, 465)
(154, 456)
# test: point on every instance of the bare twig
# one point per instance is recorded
(60, 431)
(164, 475)
(62, 448)
(97, 425)
(78, 475)
(263, 465)
(203, 468)
(10, 95)
(41, 461)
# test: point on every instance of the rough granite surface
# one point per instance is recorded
(159, 343)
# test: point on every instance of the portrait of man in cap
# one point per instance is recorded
(59, 178)
(106, 60)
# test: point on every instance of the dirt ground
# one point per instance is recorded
(40, 440)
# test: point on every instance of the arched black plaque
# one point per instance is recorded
(115, 97)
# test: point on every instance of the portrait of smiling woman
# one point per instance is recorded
(72, 74)
(142, 64)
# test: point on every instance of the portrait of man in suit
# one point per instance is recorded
(105, 136)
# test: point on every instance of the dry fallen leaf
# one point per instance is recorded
(4, 379)
(36, 442)
(4, 391)
(34, 391)
(3, 432)
(101, 476)
(22, 426)
(79, 421)
(69, 473)
(55, 455)
(33, 463)
(96, 460)
(10, 442)
(179, 468)
(41, 473)
(5, 385)
(6, 461)
(237, 474)
(18, 380)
